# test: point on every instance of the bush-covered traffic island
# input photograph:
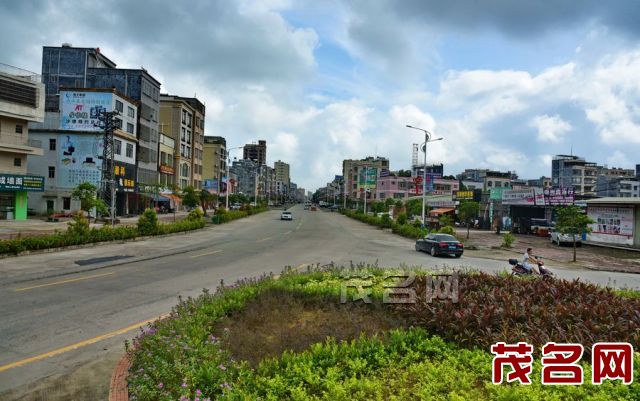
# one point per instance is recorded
(292, 338)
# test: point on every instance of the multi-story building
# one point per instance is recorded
(393, 186)
(245, 172)
(214, 162)
(75, 67)
(283, 178)
(616, 172)
(167, 146)
(197, 129)
(256, 152)
(542, 182)
(619, 187)
(267, 182)
(22, 100)
(178, 121)
(72, 149)
(351, 170)
(573, 171)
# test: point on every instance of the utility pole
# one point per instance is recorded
(108, 184)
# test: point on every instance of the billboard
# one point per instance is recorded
(125, 175)
(522, 197)
(79, 160)
(611, 224)
(559, 196)
(79, 110)
(14, 182)
(367, 178)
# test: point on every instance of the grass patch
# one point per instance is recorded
(291, 339)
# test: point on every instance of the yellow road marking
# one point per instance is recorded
(71, 280)
(78, 344)
(208, 253)
(264, 239)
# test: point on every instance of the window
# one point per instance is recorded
(52, 144)
(129, 150)
(130, 128)
(131, 112)
(17, 162)
(189, 116)
(18, 129)
(52, 172)
(119, 106)
(188, 136)
(117, 123)
(184, 117)
(118, 147)
(163, 157)
(188, 151)
(66, 203)
(184, 134)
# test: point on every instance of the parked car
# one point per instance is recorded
(286, 216)
(333, 208)
(558, 238)
(440, 244)
(306, 207)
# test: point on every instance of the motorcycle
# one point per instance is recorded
(518, 269)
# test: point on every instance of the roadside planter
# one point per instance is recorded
(313, 336)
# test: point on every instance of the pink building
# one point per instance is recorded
(394, 187)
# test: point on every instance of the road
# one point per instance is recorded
(63, 326)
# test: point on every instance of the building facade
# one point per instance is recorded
(256, 152)
(573, 171)
(73, 67)
(214, 162)
(22, 100)
(166, 162)
(351, 170)
(185, 125)
(246, 173)
(283, 179)
(72, 146)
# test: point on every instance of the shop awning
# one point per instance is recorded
(442, 210)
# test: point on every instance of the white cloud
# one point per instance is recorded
(550, 128)
(619, 159)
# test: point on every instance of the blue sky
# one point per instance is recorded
(507, 84)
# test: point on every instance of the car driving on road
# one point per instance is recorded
(440, 244)
(286, 216)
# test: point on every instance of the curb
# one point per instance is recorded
(118, 390)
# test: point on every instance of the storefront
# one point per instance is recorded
(125, 175)
(13, 194)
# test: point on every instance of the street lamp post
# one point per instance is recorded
(427, 139)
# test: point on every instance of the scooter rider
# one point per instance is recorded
(529, 262)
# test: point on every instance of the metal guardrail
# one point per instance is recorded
(20, 73)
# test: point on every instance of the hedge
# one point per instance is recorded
(102, 234)
(404, 230)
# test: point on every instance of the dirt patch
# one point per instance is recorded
(279, 321)
(486, 244)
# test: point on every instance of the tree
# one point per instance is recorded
(404, 173)
(189, 197)
(446, 220)
(572, 220)
(414, 207)
(468, 211)
(86, 194)
(206, 198)
(389, 202)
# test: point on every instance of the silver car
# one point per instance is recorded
(558, 238)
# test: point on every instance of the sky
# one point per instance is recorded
(506, 84)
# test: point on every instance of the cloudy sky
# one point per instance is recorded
(507, 84)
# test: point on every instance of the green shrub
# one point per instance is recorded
(78, 225)
(447, 230)
(508, 239)
(402, 218)
(385, 221)
(148, 222)
(195, 215)
(417, 223)
(409, 231)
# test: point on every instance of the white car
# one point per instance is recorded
(558, 238)
(286, 216)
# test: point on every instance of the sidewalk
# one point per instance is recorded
(591, 257)
(39, 226)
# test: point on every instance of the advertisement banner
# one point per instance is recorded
(440, 201)
(611, 224)
(79, 160)
(559, 196)
(15, 182)
(367, 178)
(210, 185)
(125, 175)
(463, 195)
(495, 193)
(79, 111)
(522, 197)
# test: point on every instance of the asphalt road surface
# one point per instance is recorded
(60, 333)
